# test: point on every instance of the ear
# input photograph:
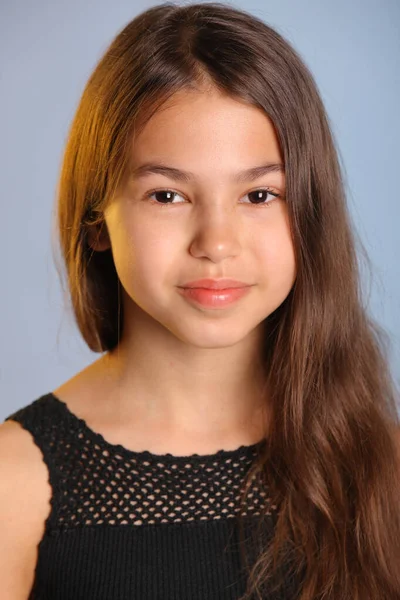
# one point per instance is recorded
(98, 238)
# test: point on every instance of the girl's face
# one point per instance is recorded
(168, 230)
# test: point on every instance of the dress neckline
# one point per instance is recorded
(98, 438)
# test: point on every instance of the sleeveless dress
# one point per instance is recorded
(136, 525)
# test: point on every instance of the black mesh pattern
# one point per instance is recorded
(98, 483)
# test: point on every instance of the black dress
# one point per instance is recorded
(135, 525)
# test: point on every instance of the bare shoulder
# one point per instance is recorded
(25, 495)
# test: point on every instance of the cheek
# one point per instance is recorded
(275, 253)
(144, 255)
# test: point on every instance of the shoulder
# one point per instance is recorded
(24, 474)
(24, 506)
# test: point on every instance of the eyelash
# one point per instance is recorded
(164, 204)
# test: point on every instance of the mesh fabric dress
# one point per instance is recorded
(135, 525)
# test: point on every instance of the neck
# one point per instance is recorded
(217, 392)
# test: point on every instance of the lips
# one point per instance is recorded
(214, 298)
(215, 284)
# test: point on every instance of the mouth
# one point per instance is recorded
(214, 297)
(215, 284)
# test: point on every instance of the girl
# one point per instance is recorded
(237, 436)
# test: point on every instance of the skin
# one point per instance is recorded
(188, 375)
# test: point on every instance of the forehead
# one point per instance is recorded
(199, 125)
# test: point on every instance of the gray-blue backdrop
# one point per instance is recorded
(49, 48)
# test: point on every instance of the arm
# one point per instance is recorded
(24, 506)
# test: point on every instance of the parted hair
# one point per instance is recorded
(331, 460)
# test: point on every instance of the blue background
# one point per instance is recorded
(48, 50)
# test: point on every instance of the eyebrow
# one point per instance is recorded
(186, 176)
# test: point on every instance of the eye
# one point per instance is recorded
(164, 196)
(259, 197)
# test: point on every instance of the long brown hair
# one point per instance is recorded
(331, 459)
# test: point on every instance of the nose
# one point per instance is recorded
(216, 235)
